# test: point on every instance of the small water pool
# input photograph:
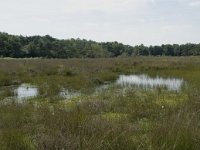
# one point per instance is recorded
(145, 81)
(25, 91)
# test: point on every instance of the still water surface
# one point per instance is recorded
(67, 94)
(144, 81)
(25, 91)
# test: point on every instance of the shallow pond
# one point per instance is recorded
(144, 81)
(25, 91)
(67, 94)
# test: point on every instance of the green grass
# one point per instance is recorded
(113, 119)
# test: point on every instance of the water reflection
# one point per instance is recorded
(101, 88)
(25, 91)
(172, 84)
(65, 93)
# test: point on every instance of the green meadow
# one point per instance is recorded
(100, 114)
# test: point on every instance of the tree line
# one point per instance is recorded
(49, 47)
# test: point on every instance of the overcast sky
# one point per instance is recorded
(151, 22)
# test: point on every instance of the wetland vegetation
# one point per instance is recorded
(136, 103)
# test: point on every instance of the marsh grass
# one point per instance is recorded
(6, 92)
(112, 118)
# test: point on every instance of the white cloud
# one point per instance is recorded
(128, 21)
(194, 3)
(106, 6)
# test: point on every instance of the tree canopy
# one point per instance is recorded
(49, 47)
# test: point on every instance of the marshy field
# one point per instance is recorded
(135, 103)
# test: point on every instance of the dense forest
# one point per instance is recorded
(49, 47)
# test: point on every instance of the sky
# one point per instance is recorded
(133, 22)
